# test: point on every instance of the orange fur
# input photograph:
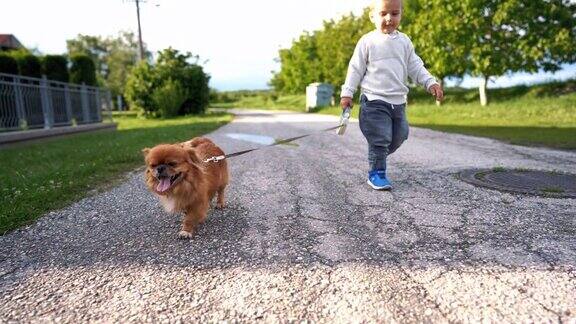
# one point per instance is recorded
(196, 182)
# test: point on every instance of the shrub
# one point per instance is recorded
(168, 98)
(139, 88)
(145, 79)
(196, 82)
(172, 64)
(8, 64)
(82, 70)
(55, 67)
(29, 65)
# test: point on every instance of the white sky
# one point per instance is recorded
(239, 38)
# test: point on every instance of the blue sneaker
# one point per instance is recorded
(377, 180)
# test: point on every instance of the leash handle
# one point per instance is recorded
(215, 159)
(344, 121)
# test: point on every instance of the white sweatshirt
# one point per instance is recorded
(381, 64)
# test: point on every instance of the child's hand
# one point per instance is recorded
(346, 102)
(436, 91)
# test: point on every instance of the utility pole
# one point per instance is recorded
(141, 45)
(141, 52)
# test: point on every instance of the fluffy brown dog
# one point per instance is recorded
(178, 175)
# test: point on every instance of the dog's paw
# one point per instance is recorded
(185, 235)
(220, 206)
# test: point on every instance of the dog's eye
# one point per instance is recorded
(172, 164)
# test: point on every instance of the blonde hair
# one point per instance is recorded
(373, 3)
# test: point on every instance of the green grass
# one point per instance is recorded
(547, 122)
(287, 102)
(552, 190)
(36, 178)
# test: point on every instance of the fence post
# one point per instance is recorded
(68, 103)
(109, 99)
(20, 112)
(85, 108)
(98, 104)
(46, 106)
(49, 90)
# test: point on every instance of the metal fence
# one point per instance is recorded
(27, 103)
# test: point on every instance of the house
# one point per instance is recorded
(9, 42)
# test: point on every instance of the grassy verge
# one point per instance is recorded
(548, 122)
(40, 177)
(287, 102)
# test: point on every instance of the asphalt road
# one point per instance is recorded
(305, 238)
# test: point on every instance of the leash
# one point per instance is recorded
(283, 141)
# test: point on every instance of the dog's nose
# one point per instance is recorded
(161, 168)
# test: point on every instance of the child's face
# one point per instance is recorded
(386, 15)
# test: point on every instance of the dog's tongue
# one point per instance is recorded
(163, 185)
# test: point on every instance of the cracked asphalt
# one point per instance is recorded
(305, 238)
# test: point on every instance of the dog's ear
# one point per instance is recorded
(145, 151)
(192, 157)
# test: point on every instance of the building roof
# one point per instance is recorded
(9, 41)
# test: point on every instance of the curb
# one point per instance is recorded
(31, 135)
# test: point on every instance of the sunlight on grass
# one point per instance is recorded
(287, 102)
(545, 112)
(549, 121)
(133, 122)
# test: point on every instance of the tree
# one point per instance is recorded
(112, 56)
(94, 48)
(440, 43)
(513, 35)
(300, 66)
(321, 56)
(122, 56)
(336, 43)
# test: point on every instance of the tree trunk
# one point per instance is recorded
(483, 91)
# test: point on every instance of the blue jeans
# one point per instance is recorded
(385, 127)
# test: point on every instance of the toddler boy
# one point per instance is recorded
(381, 63)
